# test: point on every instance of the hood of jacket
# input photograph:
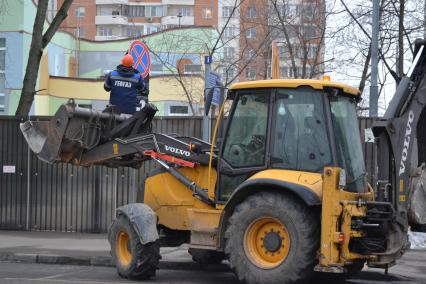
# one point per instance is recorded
(126, 71)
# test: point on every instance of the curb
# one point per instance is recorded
(102, 261)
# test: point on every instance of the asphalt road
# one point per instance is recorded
(411, 269)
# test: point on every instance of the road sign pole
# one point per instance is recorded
(206, 122)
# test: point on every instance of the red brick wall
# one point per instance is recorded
(87, 22)
(260, 43)
(198, 8)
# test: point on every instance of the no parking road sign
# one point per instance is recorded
(140, 53)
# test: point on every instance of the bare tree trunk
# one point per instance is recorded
(365, 70)
(38, 43)
(34, 57)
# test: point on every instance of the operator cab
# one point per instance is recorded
(304, 125)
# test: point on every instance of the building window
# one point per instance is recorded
(251, 74)
(309, 32)
(284, 52)
(192, 68)
(2, 103)
(153, 11)
(79, 32)
(312, 51)
(136, 11)
(2, 74)
(104, 31)
(291, 10)
(178, 110)
(229, 73)
(80, 12)
(308, 12)
(251, 33)
(286, 72)
(185, 11)
(251, 54)
(230, 32)
(229, 51)
(135, 31)
(207, 13)
(227, 11)
(156, 67)
(2, 54)
(152, 29)
(251, 13)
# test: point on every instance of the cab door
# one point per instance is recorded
(246, 140)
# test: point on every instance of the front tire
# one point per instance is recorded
(272, 238)
(132, 259)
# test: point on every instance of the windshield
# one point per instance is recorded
(348, 143)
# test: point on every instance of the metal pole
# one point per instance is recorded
(27, 215)
(374, 89)
(206, 128)
(114, 189)
(96, 215)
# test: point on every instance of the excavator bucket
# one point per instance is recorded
(73, 130)
(45, 137)
(42, 139)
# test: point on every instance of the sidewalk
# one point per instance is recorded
(76, 248)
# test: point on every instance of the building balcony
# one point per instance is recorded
(178, 2)
(111, 37)
(174, 20)
(111, 20)
(111, 2)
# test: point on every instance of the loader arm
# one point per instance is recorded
(401, 146)
(87, 137)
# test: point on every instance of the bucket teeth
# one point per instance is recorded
(34, 137)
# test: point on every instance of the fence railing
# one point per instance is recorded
(61, 197)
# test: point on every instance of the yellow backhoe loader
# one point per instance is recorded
(281, 192)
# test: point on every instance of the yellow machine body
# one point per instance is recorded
(178, 209)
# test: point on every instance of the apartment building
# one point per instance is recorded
(297, 26)
(119, 19)
(229, 24)
(248, 29)
(254, 40)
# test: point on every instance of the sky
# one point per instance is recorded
(345, 39)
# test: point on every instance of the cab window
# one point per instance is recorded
(246, 137)
(299, 139)
(245, 141)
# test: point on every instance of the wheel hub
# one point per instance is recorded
(122, 248)
(267, 242)
(272, 242)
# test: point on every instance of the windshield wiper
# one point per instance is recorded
(357, 178)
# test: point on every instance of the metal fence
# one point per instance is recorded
(62, 197)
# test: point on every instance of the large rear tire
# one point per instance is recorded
(272, 238)
(132, 259)
(206, 257)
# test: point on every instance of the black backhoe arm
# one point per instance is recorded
(401, 141)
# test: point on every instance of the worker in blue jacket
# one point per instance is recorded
(125, 84)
